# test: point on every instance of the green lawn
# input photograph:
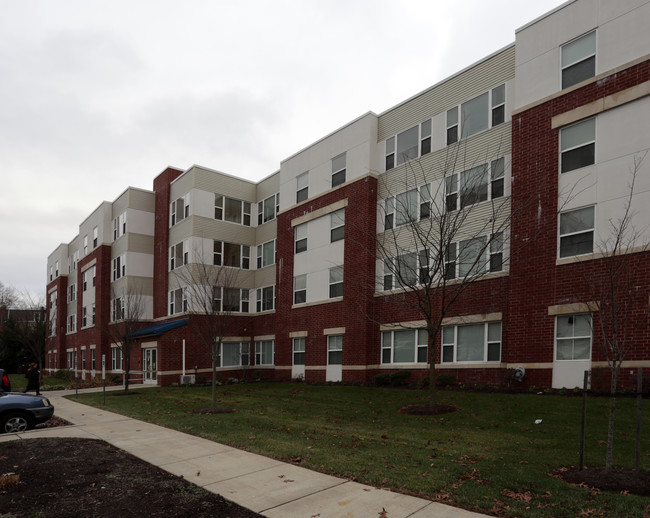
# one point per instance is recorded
(490, 455)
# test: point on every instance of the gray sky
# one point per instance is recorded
(96, 96)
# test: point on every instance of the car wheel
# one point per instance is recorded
(16, 422)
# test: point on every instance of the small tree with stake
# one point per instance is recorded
(212, 297)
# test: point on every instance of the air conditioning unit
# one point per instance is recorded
(187, 379)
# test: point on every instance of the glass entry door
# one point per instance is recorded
(150, 363)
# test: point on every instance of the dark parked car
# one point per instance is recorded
(5, 384)
(20, 412)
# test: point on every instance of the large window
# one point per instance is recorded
(475, 185)
(118, 309)
(577, 232)
(231, 300)
(472, 343)
(300, 232)
(480, 113)
(72, 323)
(302, 187)
(119, 267)
(177, 301)
(119, 226)
(178, 255)
(335, 350)
(410, 144)
(72, 293)
(265, 299)
(116, 359)
(179, 210)
(578, 145)
(337, 225)
(264, 352)
(232, 210)
(268, 209)
(299, 289)
(266, 254)
(573, 337)
(407, 270)
(231, 254)
(233, 354)
(404, 346)
(579, 60)
(299, 351)
(474, 256)
(407, 207)
(338, 169)
(336, 282)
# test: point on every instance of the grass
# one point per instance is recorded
(489, 455)
(19, 382)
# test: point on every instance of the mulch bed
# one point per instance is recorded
(636, 482)
(68, 478)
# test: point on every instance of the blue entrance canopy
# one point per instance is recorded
(158, 329)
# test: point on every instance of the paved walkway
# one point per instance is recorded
(270, 487)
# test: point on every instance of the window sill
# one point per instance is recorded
(316, 303)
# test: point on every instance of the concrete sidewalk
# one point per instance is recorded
(267, 486)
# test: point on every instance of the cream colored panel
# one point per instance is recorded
(265, 276)
(141, 200)
(266, 232)
(216, 182)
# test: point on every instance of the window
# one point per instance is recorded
(265, 299)
(472, 343)
(85, 245)
(338, 169)
(299, 289)
(496, 252)
(94, 274)
(471, 257)
(83, 359)
(92, 317)
(232, 210)
(72, 293)
(299, 351)
(70, 357)
(335, 350)
(116, 363)
(577, 232)
(474, 256)
(407, 207)
(119, 226)
(266, 254)
(117, 309)
(302, 187)
(336, 282)
(84, 316)
(177, 301)
(404, 346)
(579, 60)
(475, 185)
(178, 255)
(268, 209)
(95, 237)
(233, 354)
(231, 254)
(389, 213)
(408, 145)
(72, 323)
(573, 337)
(480, 113)
(92, 359)
(301, 237)
(119, 267)
(179, 209)
(232, 300)
(407, 270)
(578, 145)
(84, 280)
(264, 353)
(337, 225)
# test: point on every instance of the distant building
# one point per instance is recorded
(564, 109)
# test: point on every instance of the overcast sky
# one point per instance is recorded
(96, 96)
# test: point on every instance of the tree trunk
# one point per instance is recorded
(432, 368)
(610, 426)
(214, 375)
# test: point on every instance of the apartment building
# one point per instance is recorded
(497, 188)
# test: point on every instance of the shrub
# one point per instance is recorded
(64, 374)
(399, 378)
(382, 379)
(424, 382)
(445, 380)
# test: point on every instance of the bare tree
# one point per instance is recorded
(7, 298)
(29, 326)
(127, 312)
(211, 296)
(442, 230)
(617, 306)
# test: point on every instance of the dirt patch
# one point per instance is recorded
(68, 478)
(636, 482)
(425, 409)
(212, 411)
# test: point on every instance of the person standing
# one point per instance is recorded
(33, 379)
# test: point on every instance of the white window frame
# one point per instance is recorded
(244, 217)
(242, 354)
(300, 289)
(419, 346)
(179, 209)
(117, 309)
(119, 267)
(337, 225)
(298, 350)
(336, 282)
(567, 63)
(261, 302)
(116, 359)
(262, 352)
(418, 140)
(458, 197)
(302, 187)
(449, 342)
(262, 254)
(72, 323)
(456, 127)
(95, 237)
(179, 255)
(300, 238)
(407, 207)
(566, 235)
(219, 255)
(334, 349)
(569, 146)
(339, 163)
(177, 295)
(572, 338)
(273, 204)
